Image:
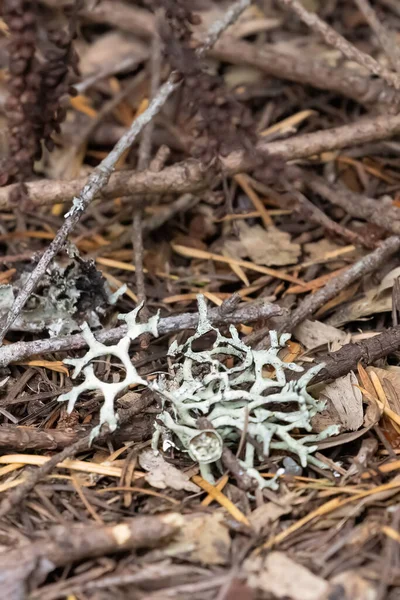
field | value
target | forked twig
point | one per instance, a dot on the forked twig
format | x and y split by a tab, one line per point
333	38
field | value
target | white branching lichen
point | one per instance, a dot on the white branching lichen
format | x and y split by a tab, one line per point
91	382
228	384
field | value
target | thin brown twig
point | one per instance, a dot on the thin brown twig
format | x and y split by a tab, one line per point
315	72
315	214
82	444
333	38
313	302
95	183
362	267
385	37
143	163
357	205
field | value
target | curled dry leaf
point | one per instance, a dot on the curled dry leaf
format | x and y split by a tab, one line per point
376	300
279	575
312	334
347	400
125	49
390	380
162	475
264	246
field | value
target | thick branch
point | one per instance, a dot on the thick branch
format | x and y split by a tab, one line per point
367	352
305	71
65	544
191	175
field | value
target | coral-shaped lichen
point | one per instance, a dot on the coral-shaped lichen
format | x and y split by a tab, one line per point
229	384
239	390
91	382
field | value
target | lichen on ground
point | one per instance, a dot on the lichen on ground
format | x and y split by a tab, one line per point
236	388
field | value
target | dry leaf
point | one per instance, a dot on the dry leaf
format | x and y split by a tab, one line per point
354	586
204	539
376	300
100	57
329	416
269	512
282	577
347	400
162	475
312	334
390	380
264	246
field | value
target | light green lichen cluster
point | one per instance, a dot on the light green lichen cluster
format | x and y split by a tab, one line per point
226	384
235	398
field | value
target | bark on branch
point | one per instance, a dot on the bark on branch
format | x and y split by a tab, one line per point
191	175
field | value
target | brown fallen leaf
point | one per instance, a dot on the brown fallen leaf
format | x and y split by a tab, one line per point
125	47
312	334
162	475
375	300
204	539
347	400
269	512
264	246
354	586
281	576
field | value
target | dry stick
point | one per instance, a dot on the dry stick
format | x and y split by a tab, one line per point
143	163
192	175
96	182
101	175
313	302
386	38
315	72
245	314
312	212
63	545
357	205
362	267
311	72
215	31
333	38
346	359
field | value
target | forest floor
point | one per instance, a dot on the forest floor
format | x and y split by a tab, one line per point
242	156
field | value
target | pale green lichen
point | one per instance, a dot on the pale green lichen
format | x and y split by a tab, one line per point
227	384
234	399
91	382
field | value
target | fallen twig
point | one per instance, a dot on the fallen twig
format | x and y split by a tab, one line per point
192	175
96	182
365	265
343	361
66	544
357	205
387	39
19	493
244	314
316	73
333	38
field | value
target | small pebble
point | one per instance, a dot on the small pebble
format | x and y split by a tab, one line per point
291	466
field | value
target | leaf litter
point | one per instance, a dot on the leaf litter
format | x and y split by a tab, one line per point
274	106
